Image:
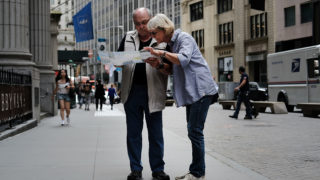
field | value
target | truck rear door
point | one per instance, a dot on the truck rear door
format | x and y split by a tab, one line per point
313	79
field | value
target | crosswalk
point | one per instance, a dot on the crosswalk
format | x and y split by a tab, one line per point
107	112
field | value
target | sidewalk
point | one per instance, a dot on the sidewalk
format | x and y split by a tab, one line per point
93	147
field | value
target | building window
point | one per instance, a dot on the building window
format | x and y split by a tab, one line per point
306	13
258	25
199	37
226	33
177	13
161	6
196	11
290	16
65	38
224	6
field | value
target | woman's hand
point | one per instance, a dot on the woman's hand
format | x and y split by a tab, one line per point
153	51
154	62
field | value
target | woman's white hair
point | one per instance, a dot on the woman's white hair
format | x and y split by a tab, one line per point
162	22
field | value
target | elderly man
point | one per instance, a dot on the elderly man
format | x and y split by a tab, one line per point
143	92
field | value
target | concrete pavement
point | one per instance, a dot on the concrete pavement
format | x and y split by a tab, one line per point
94	147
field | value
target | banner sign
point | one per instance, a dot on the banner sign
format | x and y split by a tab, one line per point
82	21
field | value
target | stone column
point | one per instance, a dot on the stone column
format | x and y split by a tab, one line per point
54	18
14	33
14	44
40	48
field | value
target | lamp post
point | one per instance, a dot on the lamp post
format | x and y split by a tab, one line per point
74	73
84	59
70	64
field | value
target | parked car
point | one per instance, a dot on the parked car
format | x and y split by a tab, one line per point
256	93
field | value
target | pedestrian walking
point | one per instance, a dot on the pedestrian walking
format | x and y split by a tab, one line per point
99	94
81	95
243	95
87	95
143	92
111	93
63	86
193	84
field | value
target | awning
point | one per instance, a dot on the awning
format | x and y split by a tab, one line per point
75	56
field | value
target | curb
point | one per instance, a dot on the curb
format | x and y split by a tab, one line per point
22	127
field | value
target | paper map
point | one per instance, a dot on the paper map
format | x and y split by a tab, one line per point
125	57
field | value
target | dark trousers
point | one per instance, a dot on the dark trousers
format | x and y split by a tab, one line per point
196	117
111	98
97	102
135	107
243	97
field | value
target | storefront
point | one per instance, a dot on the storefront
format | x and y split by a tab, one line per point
256	60
225	65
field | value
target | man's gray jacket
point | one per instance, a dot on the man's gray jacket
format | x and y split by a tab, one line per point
156	81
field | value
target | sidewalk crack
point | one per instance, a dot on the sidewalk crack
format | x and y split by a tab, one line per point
95	155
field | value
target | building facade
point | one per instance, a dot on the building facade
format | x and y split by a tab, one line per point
294	25
66	37
231	34
25	48
112	19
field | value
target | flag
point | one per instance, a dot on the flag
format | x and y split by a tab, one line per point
82	21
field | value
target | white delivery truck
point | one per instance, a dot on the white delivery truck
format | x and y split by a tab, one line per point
293	76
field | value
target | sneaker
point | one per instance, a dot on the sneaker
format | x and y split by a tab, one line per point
135	175
68	120
247	117
189	176
233	116
160	176
62	123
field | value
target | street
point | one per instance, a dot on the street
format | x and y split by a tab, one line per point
94	147
278	146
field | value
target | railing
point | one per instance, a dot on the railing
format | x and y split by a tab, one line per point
15	98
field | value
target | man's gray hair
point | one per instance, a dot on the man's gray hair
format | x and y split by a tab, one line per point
142	8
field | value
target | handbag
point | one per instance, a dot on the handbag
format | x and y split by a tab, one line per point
71	93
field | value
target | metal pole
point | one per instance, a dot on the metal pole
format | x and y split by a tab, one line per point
80	72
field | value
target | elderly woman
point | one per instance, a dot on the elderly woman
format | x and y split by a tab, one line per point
193	84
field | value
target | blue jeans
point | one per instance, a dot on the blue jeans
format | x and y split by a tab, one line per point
196	117
243	97
64	97
135	107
